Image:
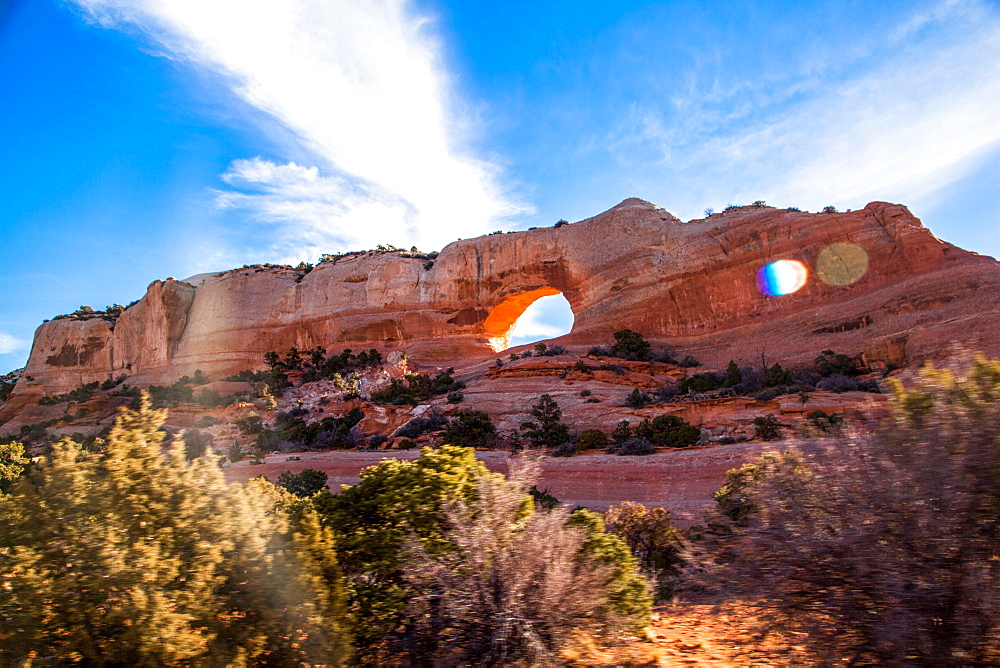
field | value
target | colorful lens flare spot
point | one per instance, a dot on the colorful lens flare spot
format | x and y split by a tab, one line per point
781	278
842	264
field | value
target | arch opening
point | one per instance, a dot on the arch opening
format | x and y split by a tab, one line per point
529	317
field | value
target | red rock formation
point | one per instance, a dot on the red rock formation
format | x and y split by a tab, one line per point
688	285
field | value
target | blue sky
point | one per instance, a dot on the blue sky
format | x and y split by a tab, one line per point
147	139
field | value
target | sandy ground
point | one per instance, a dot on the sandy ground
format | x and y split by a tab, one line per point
693	634
681	481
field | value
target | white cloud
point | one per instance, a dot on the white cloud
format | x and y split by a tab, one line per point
9	344
545	318
362	85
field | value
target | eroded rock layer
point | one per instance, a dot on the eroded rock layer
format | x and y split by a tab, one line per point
692	286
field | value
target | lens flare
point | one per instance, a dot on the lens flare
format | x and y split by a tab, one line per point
841	264
781	278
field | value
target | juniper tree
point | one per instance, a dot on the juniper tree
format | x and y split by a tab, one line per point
136	556
548	431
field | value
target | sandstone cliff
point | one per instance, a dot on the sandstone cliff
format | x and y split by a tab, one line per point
688	285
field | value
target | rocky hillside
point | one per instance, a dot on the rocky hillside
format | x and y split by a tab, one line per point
879	285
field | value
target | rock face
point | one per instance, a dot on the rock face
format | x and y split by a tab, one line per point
903	296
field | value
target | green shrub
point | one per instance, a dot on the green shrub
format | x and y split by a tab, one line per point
777	376
419	426
638	399
767	428
653	539
157	561
622	432
592	439
548	431
829	363
630	345
471	429
668	431
733	375
305	483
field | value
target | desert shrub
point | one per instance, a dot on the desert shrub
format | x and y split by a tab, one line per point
302	484
206	421
733	375
767	428
689	361
567	449
419	426
393	502
547	430
12	463
829	209
633	446
79	395
157	561
269	441
653	539
777	376
455	397
837	382
250	424
196	443
825	422
668	431
234	453
638	399
622	432
630	345
599	351
665	355
470	428
582	367
331	432
540	348
406	444
416	388
377	441
585	393
699	382
666	393
829	363
767	394
171	395
553	573
616	369
592	400
542	499
881	549
592	439
111	384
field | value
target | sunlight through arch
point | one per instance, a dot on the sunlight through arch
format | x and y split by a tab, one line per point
530	317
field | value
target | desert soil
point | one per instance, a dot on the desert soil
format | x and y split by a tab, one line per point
681	481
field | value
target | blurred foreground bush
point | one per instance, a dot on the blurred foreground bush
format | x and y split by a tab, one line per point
880	549
136	556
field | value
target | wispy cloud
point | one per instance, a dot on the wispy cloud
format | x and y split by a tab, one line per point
362	85
10	344
901	124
